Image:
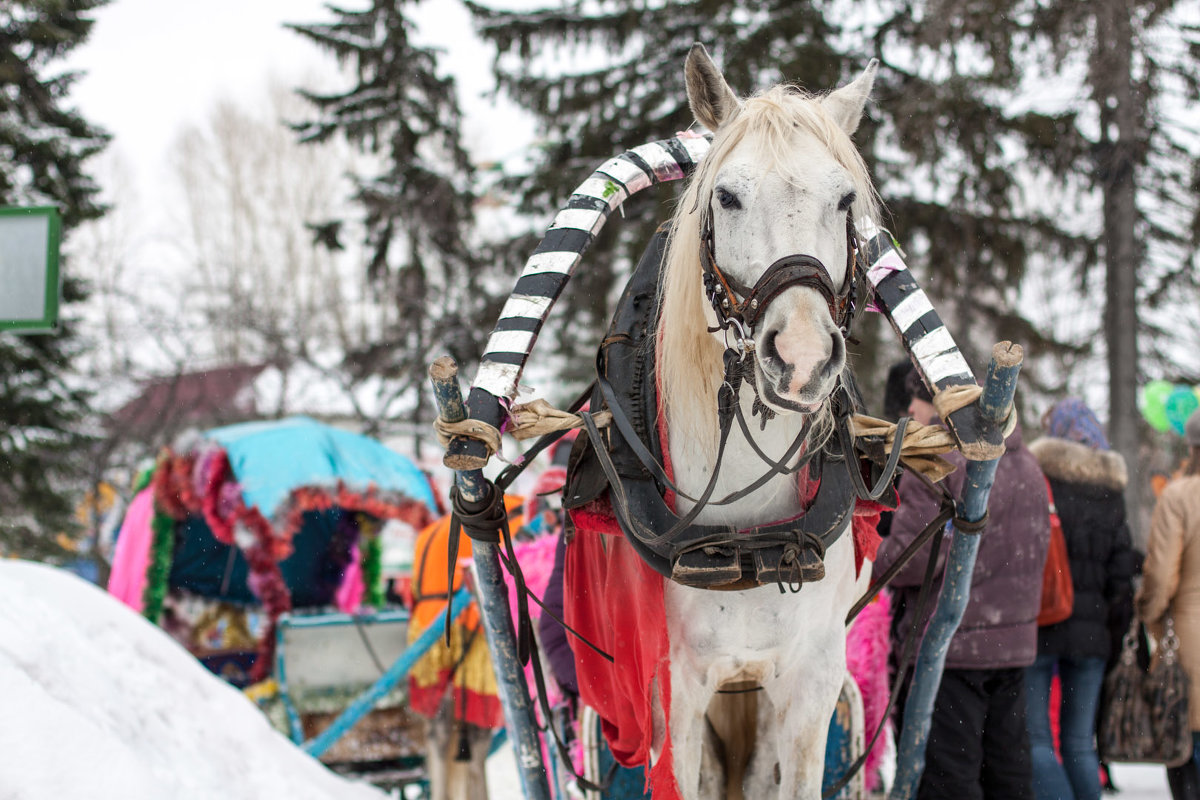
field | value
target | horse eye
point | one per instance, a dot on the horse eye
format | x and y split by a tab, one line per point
728	199
847	201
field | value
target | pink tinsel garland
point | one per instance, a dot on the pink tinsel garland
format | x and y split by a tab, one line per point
203	483
867	645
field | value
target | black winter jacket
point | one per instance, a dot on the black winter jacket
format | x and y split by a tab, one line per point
1087	486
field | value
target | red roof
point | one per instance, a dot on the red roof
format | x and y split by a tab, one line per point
206	398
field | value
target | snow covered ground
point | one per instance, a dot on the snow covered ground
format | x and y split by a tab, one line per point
1140	782
1135	781
99	703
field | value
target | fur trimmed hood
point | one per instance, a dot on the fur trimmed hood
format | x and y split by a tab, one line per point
1072	462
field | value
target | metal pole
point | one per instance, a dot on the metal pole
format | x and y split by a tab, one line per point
994	406
493	593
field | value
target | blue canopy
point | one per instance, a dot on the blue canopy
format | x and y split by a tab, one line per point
271	458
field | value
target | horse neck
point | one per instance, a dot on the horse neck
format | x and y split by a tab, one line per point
692	464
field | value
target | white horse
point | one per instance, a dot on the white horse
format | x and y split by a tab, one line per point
782	178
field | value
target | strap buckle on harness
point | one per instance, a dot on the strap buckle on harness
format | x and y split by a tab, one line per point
729	318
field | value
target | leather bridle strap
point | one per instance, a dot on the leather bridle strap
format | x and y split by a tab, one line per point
888	474
792	270
729	407
789	271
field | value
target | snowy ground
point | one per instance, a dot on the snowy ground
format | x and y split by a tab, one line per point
1135	781
99	703
1140	782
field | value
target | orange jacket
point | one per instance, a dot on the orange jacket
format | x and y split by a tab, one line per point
429	568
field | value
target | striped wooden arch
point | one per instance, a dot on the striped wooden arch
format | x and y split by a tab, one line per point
546	272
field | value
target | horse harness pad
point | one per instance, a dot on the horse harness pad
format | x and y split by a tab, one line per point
625	460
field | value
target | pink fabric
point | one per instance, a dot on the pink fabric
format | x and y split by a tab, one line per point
537	562
350	593
132	554
867	646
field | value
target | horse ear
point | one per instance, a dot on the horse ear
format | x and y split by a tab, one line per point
846	104
711	99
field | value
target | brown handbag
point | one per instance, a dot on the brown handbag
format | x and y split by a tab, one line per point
1058	592
1145	712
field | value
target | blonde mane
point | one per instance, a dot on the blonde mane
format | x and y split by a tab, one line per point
689	357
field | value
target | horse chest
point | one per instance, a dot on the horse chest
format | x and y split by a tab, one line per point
760	635
740	466
750	624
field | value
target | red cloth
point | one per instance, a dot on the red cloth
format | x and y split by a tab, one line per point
865	531
480	709
615	600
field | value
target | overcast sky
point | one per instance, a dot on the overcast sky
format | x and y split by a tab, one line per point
153	65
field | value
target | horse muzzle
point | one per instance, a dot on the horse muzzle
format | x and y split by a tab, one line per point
798	363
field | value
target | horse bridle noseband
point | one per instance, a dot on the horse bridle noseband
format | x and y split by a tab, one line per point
742	316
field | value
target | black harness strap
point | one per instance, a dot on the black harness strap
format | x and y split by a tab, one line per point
728	409
885	481
482	522
625	460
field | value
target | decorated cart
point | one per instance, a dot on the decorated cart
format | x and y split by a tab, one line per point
259	548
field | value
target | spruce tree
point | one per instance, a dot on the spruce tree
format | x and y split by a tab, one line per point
951	164
982	186
1142	74
44	146
419	207
627	90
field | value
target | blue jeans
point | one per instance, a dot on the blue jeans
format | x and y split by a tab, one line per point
1078	776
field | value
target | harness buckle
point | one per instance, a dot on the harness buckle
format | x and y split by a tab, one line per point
742	338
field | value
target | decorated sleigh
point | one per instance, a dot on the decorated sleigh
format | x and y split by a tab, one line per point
258	547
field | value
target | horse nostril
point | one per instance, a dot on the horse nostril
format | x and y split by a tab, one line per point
837	352
769	349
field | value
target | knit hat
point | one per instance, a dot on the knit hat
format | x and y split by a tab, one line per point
1071	419
1191	429
896	395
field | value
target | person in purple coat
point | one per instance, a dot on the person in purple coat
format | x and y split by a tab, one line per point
978	746
551	633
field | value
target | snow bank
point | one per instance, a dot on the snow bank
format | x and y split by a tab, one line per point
99	703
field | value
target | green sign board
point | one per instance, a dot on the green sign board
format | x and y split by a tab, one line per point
29	285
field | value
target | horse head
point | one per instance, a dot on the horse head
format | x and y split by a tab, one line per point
770	216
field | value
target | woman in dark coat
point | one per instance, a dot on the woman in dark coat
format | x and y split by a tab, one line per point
1087	480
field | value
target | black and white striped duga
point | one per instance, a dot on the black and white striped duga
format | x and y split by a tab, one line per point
910	313
546	272
572	232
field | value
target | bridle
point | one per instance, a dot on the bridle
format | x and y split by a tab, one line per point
740	316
